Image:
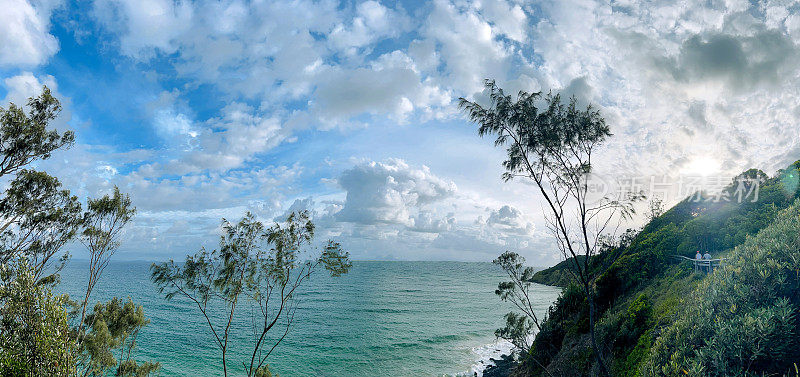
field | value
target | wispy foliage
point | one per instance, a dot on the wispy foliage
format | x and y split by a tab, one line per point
115	326
551	144
25	137
103	223
516	290
257	266
39	218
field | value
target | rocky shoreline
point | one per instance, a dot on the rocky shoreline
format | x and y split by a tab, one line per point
502	367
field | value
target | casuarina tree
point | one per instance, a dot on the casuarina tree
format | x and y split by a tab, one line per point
257	267
551	144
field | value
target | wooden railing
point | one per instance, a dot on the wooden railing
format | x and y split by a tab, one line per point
707	265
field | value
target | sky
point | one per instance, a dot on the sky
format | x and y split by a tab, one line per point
205	110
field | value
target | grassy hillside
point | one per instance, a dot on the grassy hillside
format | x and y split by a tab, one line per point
557	275
649	300
741	320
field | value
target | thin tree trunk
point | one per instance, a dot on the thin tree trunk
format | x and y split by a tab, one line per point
598	356
89	288
224	362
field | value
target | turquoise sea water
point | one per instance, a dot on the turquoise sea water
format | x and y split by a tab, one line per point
381	319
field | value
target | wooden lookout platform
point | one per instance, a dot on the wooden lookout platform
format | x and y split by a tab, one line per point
704	265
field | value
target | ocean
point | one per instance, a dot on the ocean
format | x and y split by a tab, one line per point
381	319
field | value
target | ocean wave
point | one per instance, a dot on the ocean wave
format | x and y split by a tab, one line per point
484	356
487	353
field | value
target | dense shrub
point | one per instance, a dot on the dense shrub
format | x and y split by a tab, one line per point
743	319
35	337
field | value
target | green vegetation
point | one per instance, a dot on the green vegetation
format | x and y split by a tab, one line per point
657	318
744	318
114	326
44	334
39	336
630	307
35	337
550	144
516	291
254	266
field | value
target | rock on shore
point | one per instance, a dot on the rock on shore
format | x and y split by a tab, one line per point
501	368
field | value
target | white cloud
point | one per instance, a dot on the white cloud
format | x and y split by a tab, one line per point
323	54
509	220
675	81
425	221
470	48
510	19
235	137
394	210
25	85
640	61
505	229
344	94
298	205
218	144
145	25
25	39
372	22
389	192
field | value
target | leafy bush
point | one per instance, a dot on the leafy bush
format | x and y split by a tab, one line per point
35	337
635	321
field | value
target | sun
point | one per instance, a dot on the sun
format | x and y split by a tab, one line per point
702	165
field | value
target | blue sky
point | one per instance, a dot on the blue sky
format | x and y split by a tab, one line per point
207	109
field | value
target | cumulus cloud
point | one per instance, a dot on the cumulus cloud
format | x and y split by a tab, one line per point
372	22
505	229
509	19
470	48
426	222
25	85
389	192
640	61
394	210
218	144
236	136
325	54
94	171
678	82
509	220
25	39
345	94
742	62
298	205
